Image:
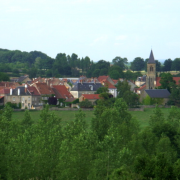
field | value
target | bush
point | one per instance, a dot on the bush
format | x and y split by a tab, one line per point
85	104
14	105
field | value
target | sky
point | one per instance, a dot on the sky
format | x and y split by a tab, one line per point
100	29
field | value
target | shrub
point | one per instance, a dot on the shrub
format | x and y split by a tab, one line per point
85	104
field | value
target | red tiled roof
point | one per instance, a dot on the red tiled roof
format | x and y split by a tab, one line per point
5	91
142	87
109	85
43	89
91	96
115	81
177	79
33	90
62	92
102	78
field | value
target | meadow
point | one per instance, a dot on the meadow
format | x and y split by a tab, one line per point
68	116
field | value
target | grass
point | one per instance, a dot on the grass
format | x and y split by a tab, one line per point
68	116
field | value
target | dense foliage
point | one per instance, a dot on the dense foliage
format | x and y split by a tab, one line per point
36	63
113	148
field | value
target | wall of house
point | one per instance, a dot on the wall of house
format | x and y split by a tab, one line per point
36	101
74	93
26	101
113	92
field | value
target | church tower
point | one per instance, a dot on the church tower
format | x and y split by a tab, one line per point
151	72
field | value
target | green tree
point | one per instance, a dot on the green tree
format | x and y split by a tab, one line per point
167	65
121	62
137	64
176	65
166	81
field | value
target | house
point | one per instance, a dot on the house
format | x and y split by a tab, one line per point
111	88
102	79
91	97
44	90
84	88
19	95
61	92
159	93
36	97
3	93
21	79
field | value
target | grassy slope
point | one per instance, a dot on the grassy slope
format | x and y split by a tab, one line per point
68	116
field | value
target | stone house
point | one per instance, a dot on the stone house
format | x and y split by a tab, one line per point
84	88
159	93
19	95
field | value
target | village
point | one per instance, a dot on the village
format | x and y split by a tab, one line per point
26	93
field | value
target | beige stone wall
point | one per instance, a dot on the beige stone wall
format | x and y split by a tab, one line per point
74	93
26	101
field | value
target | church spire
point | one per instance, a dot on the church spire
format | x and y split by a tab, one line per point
151	58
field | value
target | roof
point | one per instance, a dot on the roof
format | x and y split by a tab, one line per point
21	91
44	89
61	92
158	93
177	79
4	91
91	96
70	99
86	87
151	58
142	87
101	78
33	91
22	78
109	85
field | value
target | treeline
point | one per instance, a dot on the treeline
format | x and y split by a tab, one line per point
139	64
36	64
113	147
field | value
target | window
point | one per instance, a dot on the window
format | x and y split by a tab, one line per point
22	104
25	101
13	98
29	98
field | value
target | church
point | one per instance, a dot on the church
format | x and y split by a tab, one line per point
152	82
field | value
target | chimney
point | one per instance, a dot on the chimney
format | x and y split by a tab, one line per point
25	88
11	91
18	91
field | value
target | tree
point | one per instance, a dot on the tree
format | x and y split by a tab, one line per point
176	64
96	73
167	65
102	90
4	77
121	62
158	66
114	74
52	100
166	81
137	64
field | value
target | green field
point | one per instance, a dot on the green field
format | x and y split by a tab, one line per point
68	116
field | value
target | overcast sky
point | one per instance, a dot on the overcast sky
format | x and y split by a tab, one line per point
100	29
